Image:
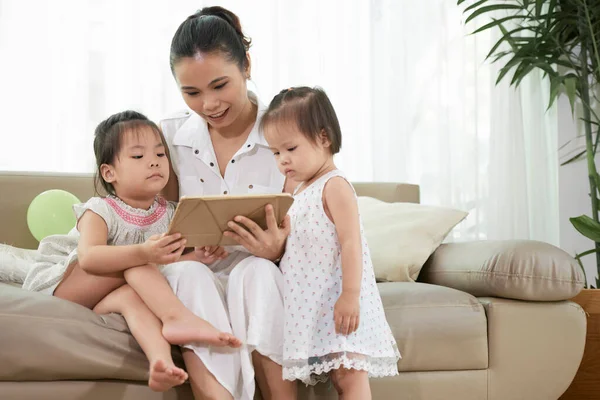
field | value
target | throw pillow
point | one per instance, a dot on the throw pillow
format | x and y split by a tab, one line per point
402	236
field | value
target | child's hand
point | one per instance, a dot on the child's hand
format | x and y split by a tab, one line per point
209	254
346	313
163	249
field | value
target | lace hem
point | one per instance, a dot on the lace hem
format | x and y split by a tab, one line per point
316	369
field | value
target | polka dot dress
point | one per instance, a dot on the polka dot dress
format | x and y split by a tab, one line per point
312	272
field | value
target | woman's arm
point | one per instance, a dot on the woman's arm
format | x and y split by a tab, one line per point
97	257
171	190
269	243
206	254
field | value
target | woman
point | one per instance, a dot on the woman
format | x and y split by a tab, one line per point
217	148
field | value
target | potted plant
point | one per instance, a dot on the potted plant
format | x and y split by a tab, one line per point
561	38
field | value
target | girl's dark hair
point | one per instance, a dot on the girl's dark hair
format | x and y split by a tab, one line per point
310	110
209	30
108	138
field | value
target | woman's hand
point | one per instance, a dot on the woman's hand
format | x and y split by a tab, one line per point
346	313
163	249
209	254
269	243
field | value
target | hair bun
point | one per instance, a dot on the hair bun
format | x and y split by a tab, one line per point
229	17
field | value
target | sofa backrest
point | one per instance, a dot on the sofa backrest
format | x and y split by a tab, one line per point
18	189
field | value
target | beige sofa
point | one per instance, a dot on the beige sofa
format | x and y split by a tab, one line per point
486	321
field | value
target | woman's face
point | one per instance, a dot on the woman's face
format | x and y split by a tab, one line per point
213	87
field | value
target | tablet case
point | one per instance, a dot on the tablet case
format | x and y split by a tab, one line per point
202	220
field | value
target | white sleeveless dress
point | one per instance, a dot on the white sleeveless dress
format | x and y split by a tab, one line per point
312	273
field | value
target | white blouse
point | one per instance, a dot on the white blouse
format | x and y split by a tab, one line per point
252	169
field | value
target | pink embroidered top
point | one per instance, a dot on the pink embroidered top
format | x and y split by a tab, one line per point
126	225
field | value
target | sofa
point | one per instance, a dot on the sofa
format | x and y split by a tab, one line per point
486	320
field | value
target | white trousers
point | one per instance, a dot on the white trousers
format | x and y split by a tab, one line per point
245	299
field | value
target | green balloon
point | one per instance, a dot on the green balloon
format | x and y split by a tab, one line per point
51	213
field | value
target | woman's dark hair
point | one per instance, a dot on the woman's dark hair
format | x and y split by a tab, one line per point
108	137
310	110
210	30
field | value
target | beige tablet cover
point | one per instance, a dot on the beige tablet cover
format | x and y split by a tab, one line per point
202	220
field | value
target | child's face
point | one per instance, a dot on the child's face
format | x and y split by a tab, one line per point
213	87
298	158
141	169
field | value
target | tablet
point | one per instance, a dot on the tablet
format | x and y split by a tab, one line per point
202	220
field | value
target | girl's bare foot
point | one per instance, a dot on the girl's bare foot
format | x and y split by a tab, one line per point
163	376
194	329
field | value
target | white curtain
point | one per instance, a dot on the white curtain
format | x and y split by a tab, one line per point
416	101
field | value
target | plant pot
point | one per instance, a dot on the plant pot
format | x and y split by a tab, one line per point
586	384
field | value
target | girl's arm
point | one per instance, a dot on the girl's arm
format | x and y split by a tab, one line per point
96	257
342	209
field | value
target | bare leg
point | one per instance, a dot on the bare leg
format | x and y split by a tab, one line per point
180	325
351	384
86	289
204	385
146	329
270	379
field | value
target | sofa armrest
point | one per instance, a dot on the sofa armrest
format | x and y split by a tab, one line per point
513	269
534	348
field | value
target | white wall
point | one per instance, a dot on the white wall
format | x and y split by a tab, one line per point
574	189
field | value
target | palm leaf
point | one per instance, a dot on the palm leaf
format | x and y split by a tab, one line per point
587	227
505	37
489	9
495	23
571	90
539	5
472	6
573	159
562	39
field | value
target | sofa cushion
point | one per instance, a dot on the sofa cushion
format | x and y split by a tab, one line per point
90	390
436	328
402	236
47	338
513	269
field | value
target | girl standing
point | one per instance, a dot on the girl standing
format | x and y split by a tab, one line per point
334	321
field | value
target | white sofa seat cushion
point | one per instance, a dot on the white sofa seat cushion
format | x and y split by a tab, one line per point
436	328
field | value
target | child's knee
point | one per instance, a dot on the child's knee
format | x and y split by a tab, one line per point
118	300
343	378
128	298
